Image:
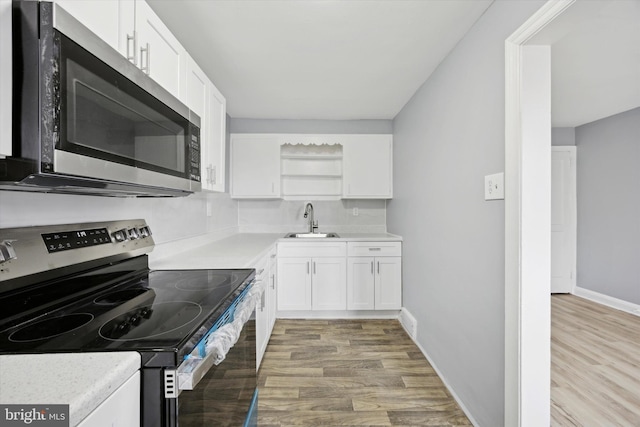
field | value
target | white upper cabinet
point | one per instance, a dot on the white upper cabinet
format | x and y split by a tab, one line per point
197	88
367	167
197	99
132	28
213	164
255	166
5	78
161	56
107	19
206	101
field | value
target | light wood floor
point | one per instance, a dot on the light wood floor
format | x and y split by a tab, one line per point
595	364
350	373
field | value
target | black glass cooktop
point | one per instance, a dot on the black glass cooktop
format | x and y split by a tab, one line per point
149	311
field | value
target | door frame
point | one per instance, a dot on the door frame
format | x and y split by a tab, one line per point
527	233
573	214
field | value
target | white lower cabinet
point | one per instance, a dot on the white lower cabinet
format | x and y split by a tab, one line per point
266	308
328	283
374	282
294	284
312	276
122	408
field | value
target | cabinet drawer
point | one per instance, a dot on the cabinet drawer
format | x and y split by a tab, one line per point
374	249
303	249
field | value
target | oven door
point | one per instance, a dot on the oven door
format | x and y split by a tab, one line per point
217	381
226	395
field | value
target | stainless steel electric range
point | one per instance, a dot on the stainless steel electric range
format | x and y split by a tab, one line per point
88	288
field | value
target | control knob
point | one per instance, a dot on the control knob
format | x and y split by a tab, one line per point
7	252
120	235
133	233
145	231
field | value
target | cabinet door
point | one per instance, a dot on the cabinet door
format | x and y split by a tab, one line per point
255	166
329	283
122	408
388	283
360	283
5	78
272	300
161	56
294	284
367	171
213	169
197	99
101	17
262	314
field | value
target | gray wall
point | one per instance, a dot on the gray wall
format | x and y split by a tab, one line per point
563	136
608	181
310	126
446	139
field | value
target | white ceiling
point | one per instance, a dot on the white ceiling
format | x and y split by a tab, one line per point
318	59
595	61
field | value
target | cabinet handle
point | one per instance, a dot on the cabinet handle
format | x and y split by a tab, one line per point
378	267
132	57
371	267
273	281
375	249
307	267
146	51
314	267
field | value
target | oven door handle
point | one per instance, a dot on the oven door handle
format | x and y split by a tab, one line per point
219	342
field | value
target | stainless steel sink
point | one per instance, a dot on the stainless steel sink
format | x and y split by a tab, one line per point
311	235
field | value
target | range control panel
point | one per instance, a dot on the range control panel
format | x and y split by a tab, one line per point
25	251
66	240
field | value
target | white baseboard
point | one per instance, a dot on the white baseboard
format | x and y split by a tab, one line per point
603	299
409	323
407	315
338	314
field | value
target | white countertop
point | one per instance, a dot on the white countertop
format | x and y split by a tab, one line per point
241	250
81	380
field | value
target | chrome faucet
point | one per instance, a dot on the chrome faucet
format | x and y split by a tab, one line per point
308	212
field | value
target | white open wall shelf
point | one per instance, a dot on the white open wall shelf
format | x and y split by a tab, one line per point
311	170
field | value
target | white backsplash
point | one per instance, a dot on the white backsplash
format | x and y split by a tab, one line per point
280	216
178	218
169	218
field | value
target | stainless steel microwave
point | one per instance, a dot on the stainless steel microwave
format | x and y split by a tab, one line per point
86	120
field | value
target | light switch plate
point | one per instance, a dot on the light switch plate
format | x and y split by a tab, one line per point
494	186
